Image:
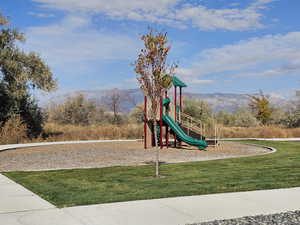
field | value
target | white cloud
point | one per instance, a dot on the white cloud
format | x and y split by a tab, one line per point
273	54
196	81
228	19
235	4
170	12
288	68
41	15
75	44
286	93
132	9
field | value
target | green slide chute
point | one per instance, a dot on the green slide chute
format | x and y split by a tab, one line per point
181	135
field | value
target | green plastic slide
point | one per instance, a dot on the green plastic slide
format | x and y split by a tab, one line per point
181	135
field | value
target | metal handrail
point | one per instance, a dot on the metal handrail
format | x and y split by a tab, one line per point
198	127
191	119
192	128
192	124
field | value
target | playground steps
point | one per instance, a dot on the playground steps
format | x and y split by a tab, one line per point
191	124
195	128
191	132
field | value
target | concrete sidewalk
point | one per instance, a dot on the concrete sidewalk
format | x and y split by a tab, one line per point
15	198
19	206
183	210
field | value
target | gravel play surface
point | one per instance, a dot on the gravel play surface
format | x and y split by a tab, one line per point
288	218
94	155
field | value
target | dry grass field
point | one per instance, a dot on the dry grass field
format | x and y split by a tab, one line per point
259	132
55	132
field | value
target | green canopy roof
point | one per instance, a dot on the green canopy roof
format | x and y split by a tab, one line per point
178	83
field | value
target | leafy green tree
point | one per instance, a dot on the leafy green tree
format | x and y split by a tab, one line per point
238	118
137	114
278	116
198	109
32	115
75	110
243	118
261	107
292	115
20	73
225	118
292	119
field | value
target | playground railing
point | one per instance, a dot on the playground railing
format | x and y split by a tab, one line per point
192	124
191	119
199	127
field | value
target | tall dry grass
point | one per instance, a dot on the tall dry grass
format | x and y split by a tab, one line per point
13	131
58	132
259	132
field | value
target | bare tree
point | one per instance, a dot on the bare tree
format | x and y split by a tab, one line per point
113	102
150	68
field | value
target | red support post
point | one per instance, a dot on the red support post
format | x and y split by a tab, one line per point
167	127
145	122
180	98
161	122
175	103
175	113
180	106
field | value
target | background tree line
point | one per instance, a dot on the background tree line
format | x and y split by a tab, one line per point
259	112
78	110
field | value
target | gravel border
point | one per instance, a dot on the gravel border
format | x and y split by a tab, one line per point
272	150
106	154
285	218
15	146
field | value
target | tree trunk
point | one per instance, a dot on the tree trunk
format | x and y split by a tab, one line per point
157	149
115	113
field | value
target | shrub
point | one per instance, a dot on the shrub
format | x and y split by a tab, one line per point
239	118
198	109
244	118
13	131
75	110
137	114
26	107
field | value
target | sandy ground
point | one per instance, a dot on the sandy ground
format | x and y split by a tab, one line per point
94	155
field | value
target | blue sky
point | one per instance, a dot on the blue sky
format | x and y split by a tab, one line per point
220	45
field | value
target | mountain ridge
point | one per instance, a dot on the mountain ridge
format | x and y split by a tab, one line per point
131	97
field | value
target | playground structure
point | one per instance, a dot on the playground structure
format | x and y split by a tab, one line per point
172	121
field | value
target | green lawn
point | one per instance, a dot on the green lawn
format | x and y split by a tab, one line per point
90	186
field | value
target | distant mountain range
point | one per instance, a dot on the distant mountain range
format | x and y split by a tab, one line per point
132	97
